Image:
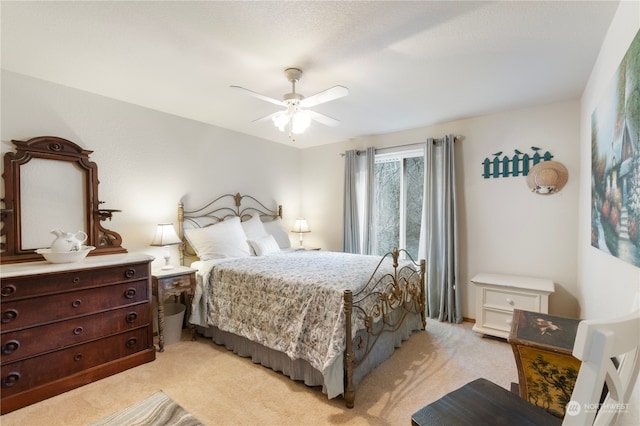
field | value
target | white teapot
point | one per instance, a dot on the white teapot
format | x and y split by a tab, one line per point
66	241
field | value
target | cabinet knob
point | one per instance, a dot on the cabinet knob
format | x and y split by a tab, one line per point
130	273
131	317
77	357
8	290
76	280
9	315
510	301
78	330
130	293
131	343
11	379
76	303
10	347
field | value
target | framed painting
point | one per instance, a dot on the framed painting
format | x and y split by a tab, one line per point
615	162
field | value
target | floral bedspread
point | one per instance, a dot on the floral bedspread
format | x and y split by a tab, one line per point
292	303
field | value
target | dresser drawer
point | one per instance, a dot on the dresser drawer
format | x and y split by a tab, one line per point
175	284
22	375
496	320
28	342
510	300
56	307
20	287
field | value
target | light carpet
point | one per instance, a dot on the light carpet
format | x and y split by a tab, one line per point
157	410
221	388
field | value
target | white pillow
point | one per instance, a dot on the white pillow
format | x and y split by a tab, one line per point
224	239
276	229
265	245
253	228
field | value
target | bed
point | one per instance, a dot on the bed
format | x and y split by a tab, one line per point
324	318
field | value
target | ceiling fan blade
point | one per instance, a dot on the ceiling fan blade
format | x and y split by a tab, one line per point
259	96
266	117
325	96
323	119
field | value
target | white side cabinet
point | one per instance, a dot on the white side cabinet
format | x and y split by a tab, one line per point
497	295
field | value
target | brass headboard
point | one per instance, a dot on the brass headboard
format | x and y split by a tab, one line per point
228	205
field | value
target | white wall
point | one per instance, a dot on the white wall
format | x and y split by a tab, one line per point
607	285
504	228
148	161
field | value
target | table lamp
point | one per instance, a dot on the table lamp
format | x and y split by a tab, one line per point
301	227
165	237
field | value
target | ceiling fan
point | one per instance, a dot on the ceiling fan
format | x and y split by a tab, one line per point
296	118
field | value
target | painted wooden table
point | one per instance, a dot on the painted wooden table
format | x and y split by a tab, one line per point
542	345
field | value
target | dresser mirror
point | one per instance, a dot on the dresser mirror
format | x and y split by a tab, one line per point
50	183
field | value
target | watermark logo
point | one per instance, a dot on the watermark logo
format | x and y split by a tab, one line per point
573	408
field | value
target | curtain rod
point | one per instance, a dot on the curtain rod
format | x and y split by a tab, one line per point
415	144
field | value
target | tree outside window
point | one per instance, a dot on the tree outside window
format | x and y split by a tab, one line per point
399	192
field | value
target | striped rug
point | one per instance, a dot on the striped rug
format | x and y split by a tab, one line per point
157	410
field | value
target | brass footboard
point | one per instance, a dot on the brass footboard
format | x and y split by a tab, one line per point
383	304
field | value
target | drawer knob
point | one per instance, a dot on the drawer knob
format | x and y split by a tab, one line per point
9	315
8	290
77	357
78	330
510	301
130	293
131	317
130	273
10	347
131	343
76	303
76	280
11	379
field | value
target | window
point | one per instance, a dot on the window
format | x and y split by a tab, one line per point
399	189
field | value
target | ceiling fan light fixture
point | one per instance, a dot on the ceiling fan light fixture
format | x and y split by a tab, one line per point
300	121
281	120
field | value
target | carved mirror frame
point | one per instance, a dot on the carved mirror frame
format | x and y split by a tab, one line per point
56	149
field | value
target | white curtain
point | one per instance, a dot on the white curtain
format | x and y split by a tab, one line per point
357	235
439	231
351	222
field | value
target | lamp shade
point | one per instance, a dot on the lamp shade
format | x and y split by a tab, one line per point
281	120
165	235
297	120
301	226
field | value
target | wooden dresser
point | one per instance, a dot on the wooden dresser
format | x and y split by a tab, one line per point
66	325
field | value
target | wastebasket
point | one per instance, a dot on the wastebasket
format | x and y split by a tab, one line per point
173	318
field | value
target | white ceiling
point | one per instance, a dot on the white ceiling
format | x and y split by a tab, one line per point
406	64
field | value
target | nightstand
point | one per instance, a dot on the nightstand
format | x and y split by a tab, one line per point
497	295
168	283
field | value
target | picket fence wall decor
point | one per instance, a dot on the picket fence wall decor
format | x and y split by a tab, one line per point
516	165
